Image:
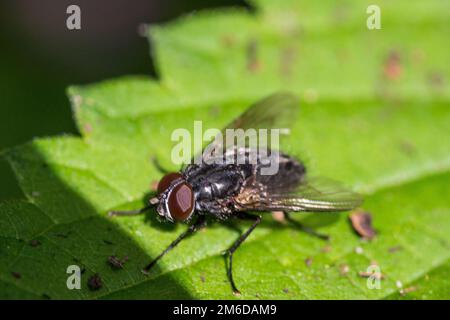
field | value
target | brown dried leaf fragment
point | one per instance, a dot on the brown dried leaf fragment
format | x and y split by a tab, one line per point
362	224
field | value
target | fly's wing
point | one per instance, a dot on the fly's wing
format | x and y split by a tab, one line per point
278	111
311	195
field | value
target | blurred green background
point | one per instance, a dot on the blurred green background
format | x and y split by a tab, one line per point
40	58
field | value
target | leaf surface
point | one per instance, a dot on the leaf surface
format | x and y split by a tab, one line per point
377	131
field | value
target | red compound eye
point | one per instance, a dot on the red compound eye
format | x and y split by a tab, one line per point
181	202
165	182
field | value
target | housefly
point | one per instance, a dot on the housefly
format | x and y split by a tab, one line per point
228	189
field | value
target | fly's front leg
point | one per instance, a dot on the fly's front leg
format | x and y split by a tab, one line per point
304	228
237	243
200	223
158	166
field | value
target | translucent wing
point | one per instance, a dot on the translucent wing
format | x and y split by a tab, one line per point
278	111
311	194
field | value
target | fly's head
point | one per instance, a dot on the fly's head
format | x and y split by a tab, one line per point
175	201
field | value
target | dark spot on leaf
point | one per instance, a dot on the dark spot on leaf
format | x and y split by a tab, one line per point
228	41
418	56
202	278
95	282
407	147
392	66
286	290
108	242
46	296
362	224
340	14
308	261
61	235
253	63
395	249
287	58
16	274
214	111
35	243
436	80
88	128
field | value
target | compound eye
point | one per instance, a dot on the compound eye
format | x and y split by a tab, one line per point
165	182
181	202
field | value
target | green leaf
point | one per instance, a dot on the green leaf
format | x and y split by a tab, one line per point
379	133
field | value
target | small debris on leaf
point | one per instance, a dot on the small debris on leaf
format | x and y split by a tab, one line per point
436	79
286	290
376	275
344	269
359	250
326	249
253	63
154	185
108	242
287	58
16	274
202	278
87	128
404	292
308	261
393	66
116	262
399	284
228	41
407	147
395	249
35	243
362	224
95	282
279	216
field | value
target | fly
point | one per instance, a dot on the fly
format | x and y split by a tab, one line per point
233	190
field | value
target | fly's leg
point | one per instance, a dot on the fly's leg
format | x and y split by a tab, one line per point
153	202
237	243
306	229
130	212
158	166
200	223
